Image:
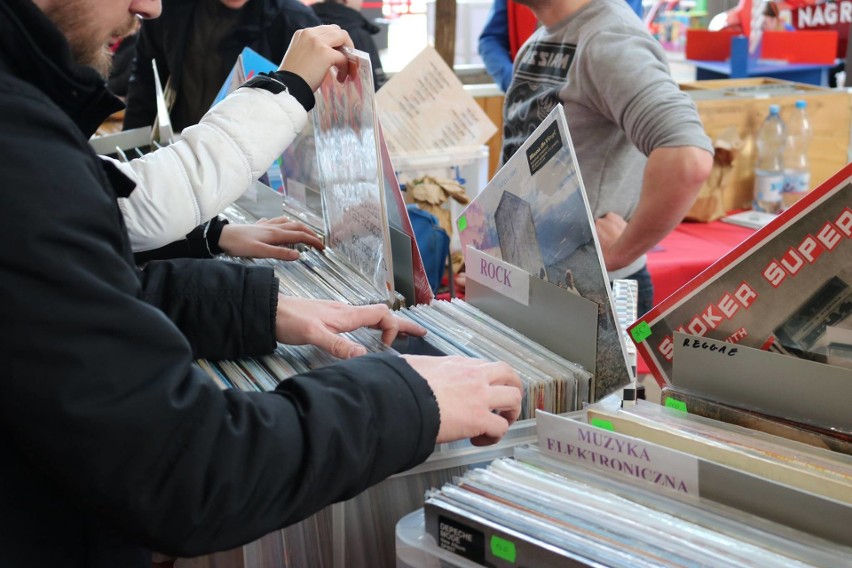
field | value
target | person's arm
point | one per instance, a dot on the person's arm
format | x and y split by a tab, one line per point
141	94
98	378
494	45
201	242
671	182
185	184
636	92
268	238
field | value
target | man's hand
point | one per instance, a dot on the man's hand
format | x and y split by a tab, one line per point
267	238
313	51
301	321
609	229
477	399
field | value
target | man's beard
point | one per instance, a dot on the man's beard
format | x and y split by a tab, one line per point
77	21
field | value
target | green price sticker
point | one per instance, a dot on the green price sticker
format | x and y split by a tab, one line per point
676	404
462	223
503	549
641	332
600	423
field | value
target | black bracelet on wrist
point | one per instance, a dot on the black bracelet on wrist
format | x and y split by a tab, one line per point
212	233
280	81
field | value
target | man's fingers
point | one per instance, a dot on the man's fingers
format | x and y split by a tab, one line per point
410	328
495	427
338	345
287	237
506	400
276	252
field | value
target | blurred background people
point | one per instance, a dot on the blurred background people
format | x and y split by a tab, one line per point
196	44
347	14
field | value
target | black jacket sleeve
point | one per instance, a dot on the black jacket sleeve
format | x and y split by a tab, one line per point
141	91
101	397
201	242
225	310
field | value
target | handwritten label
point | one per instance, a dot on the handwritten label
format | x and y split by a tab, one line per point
575	441
641	332
711	346
503	549
502	277
676	404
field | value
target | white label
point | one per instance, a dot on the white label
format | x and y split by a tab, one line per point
768	188
574	441
797	182
507	279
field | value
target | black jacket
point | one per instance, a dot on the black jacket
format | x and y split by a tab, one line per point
267	26
112	442
360	30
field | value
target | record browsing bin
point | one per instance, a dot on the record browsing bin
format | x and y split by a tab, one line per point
361	531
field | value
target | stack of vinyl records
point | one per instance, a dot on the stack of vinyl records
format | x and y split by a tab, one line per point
539	511
551	383
703	405
360	532
322	275
644	485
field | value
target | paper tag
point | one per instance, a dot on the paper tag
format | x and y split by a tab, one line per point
508	280
641	332
676	404
575	441
462	223
503	549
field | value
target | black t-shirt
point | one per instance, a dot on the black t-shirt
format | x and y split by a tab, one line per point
204	70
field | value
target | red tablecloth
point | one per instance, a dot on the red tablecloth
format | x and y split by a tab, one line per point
685	253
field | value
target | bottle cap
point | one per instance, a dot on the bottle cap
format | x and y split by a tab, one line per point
801	104
774	109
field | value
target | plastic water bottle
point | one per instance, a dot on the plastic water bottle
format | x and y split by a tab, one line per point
769	170
797	170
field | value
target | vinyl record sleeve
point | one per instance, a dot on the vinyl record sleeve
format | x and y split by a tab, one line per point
786	288
534	215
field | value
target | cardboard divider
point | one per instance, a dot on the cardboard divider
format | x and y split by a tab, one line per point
554	317
705	45
802	46
775	384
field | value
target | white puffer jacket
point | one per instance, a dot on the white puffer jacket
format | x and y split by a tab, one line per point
189	182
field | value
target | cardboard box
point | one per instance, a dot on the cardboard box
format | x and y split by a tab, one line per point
741	105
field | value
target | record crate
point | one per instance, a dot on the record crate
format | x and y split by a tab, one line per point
361	531
732	110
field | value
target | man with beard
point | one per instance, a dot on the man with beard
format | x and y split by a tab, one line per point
114	442
196	43
640	145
